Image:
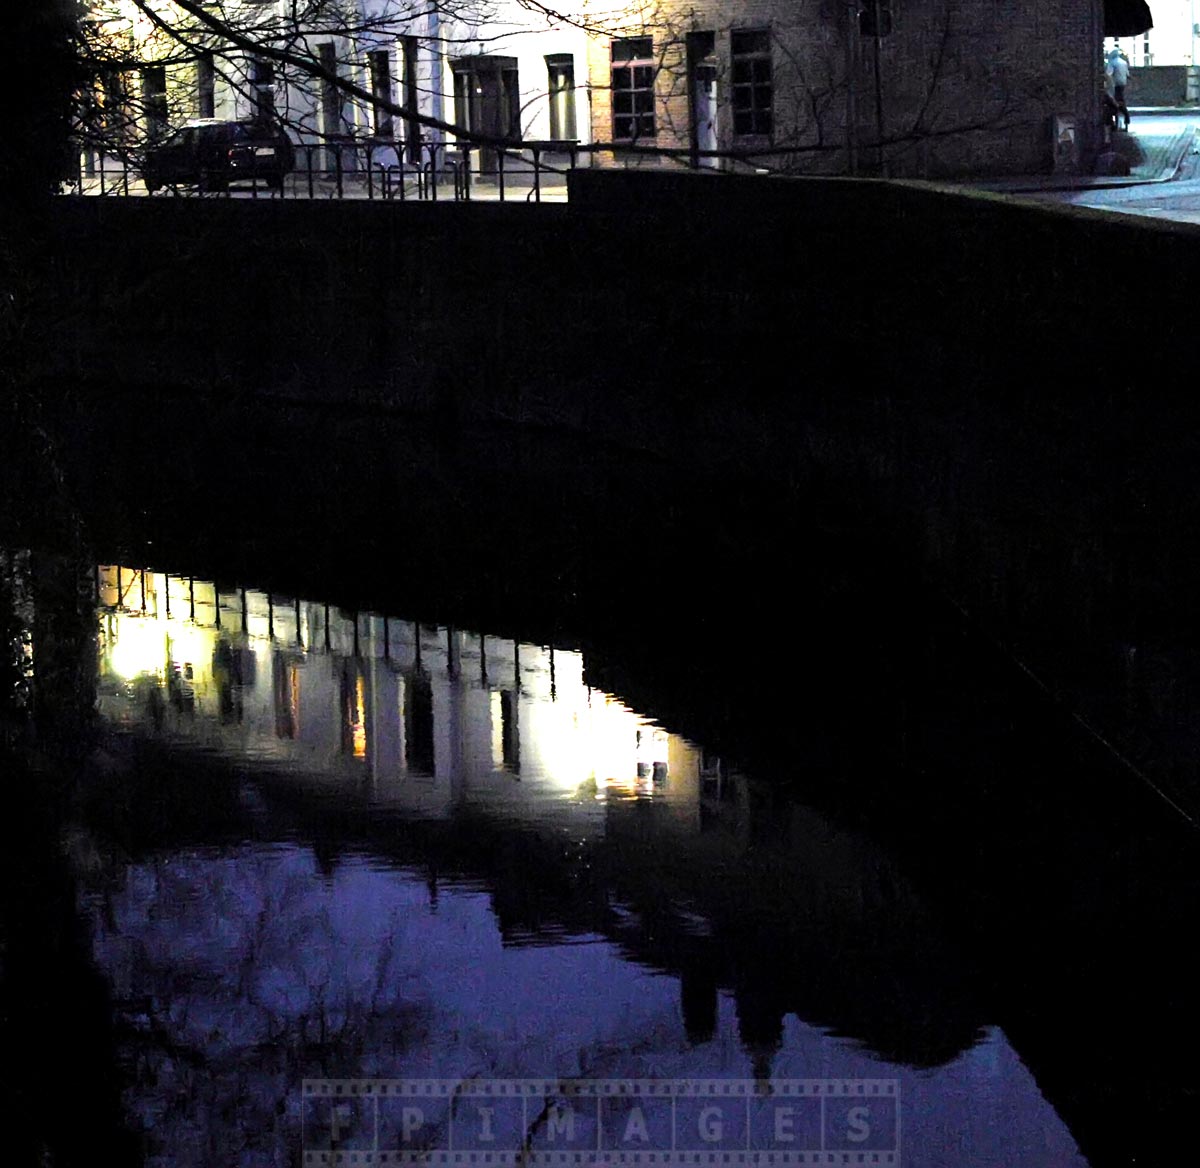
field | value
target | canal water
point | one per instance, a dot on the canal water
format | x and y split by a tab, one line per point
331	867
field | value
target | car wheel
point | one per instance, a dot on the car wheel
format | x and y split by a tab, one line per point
152	185
212	183
275	182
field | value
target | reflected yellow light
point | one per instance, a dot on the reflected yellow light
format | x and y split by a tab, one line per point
590	741
192	644
573	741
138	645
358	731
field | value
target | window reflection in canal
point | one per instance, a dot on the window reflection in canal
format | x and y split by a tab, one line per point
449	856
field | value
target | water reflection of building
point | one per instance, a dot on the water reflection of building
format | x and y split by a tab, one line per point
579	816
419	717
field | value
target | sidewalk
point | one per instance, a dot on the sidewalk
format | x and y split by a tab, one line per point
1153	158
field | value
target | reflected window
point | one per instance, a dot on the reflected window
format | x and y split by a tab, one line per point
510	731
286	678
354	711
418	724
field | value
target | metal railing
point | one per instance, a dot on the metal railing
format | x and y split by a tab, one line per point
386	170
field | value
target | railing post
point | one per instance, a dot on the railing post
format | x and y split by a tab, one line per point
500	170
337	167
370	180
308	155
537	175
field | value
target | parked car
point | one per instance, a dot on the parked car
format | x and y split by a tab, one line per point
212	154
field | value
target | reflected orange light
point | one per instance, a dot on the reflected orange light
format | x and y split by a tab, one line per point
358	729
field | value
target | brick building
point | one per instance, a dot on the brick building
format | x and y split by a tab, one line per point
913	88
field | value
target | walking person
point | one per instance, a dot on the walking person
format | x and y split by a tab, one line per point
1118	74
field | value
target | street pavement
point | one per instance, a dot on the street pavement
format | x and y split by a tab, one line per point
1161	147
1164	181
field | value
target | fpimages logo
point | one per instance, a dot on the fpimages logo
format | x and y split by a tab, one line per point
594	1123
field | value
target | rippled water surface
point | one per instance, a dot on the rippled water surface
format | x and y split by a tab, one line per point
358	847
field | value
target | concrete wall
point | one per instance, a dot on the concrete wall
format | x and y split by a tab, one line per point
1157	85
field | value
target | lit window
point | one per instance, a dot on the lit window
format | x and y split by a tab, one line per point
752	89
633	89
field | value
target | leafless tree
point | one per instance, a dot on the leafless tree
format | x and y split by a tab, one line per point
331	71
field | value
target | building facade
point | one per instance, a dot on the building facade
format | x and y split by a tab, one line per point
1172	40
918	88
318	67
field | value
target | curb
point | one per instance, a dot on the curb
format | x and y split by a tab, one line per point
1176	153
1180	148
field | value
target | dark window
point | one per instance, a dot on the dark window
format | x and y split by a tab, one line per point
262	82
331	94
419	750
510	733
752	88
115	111
633	89
154	99
487	96
412	128
381	87
560	71
464	92
206	86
